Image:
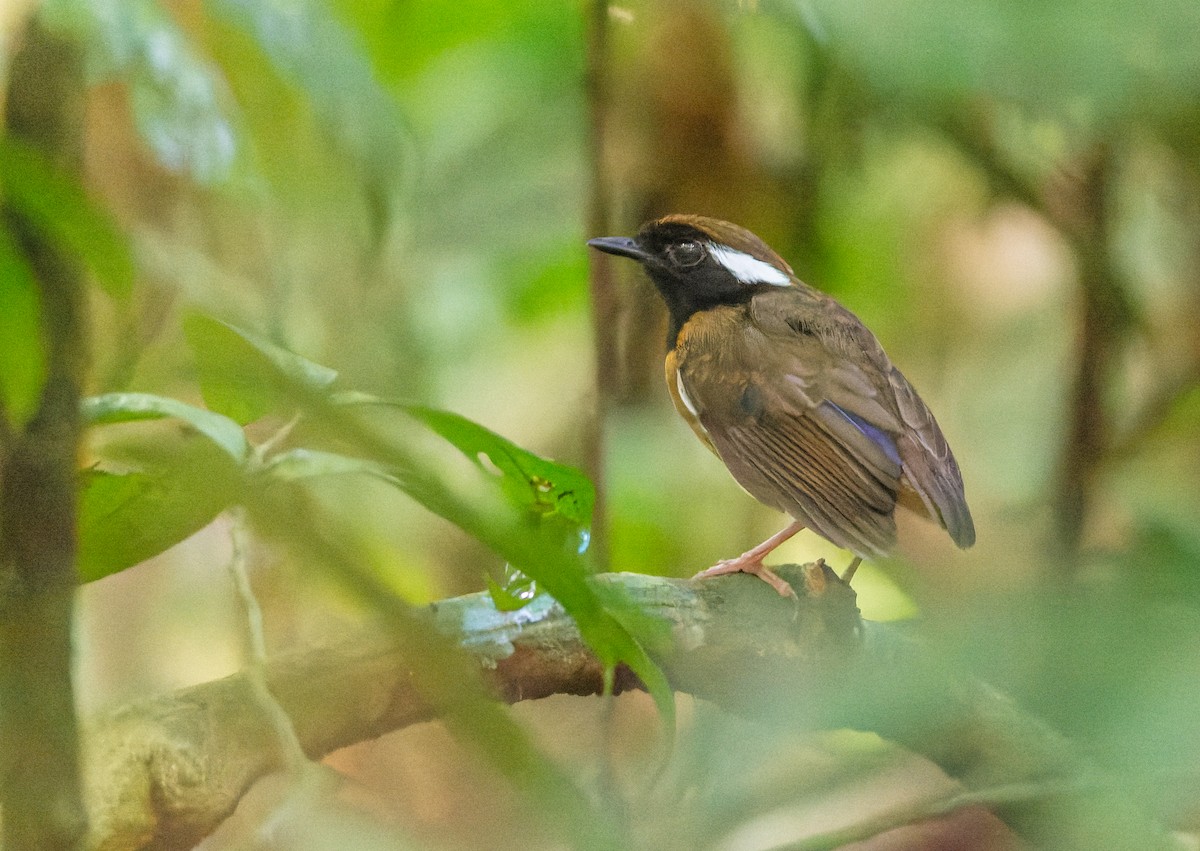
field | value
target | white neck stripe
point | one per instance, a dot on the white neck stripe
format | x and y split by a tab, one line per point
747	269
683	395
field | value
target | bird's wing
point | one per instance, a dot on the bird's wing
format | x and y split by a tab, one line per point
840	372
816	478
779	436
929	466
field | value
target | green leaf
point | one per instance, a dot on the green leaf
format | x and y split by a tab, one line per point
303	463
312	49
129	407
557	497
1074	56
545	285
245	376
175	94
537	549
543	486
22	353
58	207
448	681
125	518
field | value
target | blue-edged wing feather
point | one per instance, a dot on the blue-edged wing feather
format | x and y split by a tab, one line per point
811	418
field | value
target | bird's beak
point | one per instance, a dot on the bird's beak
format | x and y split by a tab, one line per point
622	246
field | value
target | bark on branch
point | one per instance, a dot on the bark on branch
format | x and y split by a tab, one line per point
165	771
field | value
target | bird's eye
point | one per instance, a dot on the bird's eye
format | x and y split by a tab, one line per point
686	253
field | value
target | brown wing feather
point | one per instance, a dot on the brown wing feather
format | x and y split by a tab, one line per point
815	478
839	360
768	387
929	466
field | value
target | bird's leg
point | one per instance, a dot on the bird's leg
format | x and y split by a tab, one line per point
848	573
751	562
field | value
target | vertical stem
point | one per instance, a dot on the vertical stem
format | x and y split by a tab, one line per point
39	750
1102	316
255	654
604	297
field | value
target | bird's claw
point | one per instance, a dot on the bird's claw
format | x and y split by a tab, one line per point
754	568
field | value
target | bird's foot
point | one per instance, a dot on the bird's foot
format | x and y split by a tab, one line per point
754	567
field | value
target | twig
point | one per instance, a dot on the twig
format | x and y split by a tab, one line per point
1103	313
255	661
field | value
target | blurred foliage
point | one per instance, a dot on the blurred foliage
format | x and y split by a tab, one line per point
533	511
397	191
21	348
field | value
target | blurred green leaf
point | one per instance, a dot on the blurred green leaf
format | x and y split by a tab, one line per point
174	93
558	498
544	487
131	407
1078	56
308	463
446	678
58	207
126	518
245	376
311	48
1184	411
535	548
1164	559
22	353
404	38
555	286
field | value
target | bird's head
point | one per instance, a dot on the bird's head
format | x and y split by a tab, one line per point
698	263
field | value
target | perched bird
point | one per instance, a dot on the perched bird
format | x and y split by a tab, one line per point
793	394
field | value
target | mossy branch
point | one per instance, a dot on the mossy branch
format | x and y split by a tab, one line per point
164	772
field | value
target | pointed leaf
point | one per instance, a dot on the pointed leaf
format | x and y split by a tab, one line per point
129	407
544	487
126	518
534	548
245	376
309	463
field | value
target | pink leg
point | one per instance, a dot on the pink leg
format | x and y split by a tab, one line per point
751	562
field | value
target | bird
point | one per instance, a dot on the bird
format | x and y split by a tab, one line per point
794	394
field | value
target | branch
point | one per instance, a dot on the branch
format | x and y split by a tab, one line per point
167	770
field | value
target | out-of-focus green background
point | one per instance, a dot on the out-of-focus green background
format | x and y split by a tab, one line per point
1008	194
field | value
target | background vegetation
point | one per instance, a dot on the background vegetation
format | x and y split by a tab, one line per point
398	193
